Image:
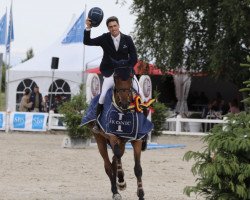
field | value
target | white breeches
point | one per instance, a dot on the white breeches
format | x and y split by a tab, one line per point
108	82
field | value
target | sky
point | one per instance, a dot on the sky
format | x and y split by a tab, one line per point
39	23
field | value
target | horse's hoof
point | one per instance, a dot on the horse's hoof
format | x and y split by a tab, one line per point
117	197
140	194
121	186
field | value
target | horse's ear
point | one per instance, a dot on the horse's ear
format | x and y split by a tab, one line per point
120	63
123	72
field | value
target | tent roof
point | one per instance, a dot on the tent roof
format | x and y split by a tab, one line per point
70	58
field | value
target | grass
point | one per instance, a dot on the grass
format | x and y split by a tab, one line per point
2	102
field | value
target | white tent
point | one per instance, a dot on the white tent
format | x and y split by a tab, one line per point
38	70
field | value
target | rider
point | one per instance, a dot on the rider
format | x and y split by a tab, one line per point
116	46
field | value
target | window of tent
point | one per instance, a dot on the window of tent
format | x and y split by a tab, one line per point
59	87
26	83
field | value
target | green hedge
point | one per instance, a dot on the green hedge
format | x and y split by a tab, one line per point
159	118
73	112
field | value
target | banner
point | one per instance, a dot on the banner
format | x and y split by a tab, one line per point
2	120
146	85
3	26
10	36
28	121
93	86
75	34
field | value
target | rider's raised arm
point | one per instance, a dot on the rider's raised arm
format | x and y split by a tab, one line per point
91	41
86	37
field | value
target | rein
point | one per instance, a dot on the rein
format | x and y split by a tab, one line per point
118	92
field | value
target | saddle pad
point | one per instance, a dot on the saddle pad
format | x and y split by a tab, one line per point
131	125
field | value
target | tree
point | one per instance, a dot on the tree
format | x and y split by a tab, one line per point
211	36
223	166
29	55
246	90
3	83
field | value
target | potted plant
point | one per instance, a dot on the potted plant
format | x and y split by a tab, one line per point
194	126
73	111
159	116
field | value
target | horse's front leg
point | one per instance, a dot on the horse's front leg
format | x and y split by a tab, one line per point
121	183
109	168
137	144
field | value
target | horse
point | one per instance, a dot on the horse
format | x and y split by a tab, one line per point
122	97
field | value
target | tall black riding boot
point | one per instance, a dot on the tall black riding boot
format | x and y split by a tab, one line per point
145	112
99	108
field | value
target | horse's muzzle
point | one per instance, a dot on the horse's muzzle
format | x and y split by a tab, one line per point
124	106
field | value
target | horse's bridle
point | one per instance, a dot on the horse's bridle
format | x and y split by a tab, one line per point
122	90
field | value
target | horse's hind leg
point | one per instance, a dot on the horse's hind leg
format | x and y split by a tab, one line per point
137	144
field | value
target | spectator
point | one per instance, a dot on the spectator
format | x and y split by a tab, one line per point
25	105
37	100
57	104
210	108
218	98
223	107
46	103
203	98
234	107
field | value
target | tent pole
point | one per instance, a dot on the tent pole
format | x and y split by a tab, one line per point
51	90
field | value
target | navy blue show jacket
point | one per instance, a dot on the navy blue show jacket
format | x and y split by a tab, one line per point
126	50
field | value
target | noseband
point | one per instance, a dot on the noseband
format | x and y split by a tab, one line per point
122	93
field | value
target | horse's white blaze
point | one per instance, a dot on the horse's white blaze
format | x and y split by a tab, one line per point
120	118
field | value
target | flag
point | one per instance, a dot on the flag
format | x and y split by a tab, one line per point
3	26
10	36
75	34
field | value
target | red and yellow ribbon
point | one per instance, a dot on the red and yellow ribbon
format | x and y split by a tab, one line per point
138	106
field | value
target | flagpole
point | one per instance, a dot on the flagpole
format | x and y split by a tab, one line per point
84	61
6	68
1	55
9	38
10	27
6	37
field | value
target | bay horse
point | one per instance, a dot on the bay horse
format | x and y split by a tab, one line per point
122	96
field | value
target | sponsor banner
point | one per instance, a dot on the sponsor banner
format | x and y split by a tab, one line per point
28	121
146	85
93	86
2	120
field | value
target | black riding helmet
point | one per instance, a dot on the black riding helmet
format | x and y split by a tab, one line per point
95	15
